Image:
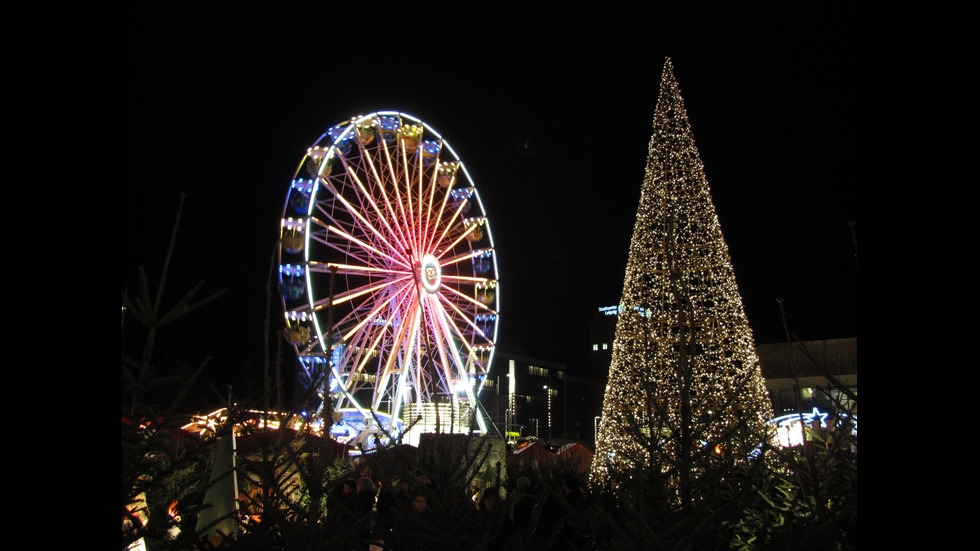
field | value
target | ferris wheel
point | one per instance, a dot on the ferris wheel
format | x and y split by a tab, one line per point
388	277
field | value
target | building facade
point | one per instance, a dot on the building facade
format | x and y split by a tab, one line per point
526	396
824	371
820	369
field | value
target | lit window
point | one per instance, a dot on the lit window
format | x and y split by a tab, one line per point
605	346
595	347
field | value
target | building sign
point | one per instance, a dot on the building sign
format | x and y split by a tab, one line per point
615	310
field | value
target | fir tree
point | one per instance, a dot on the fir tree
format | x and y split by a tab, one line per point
685	390
163	476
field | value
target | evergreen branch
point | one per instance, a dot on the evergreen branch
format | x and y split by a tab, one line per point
184	307
167	258
182	393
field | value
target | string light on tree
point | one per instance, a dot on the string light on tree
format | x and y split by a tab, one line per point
684	376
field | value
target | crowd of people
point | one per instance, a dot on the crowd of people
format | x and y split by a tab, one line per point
409	510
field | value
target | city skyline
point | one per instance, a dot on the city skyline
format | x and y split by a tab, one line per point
551	126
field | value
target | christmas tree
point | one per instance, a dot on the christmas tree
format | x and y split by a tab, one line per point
684	388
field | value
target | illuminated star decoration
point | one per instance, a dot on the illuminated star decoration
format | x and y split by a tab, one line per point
788	432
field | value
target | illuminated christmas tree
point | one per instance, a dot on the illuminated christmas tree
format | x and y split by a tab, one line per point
685	390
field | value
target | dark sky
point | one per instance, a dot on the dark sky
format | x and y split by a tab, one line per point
551	113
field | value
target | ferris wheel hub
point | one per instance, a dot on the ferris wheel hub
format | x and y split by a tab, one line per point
430	273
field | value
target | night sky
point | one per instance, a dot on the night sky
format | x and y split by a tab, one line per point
551	113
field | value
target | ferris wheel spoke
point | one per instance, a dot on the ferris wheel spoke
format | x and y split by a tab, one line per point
357	255
352	323
345	395
427	185
356	340
364	163
458	362
349	295
434	314
465	256
419	229
358	357
402	220
434	247
403	374
469	321
341	228
414	218
357	224
392	220
356	292
350	269
451	329
358	352
426	368
318	232
470	300
450	225
350	253
380	333
467	279
424	228
401	350
386	218
373	313
445	176
321	235
367	159
364	223
365	246
407	178
452	246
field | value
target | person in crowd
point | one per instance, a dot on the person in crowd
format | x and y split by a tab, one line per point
496	524
522	505
340	502
420	503
366	493
364	509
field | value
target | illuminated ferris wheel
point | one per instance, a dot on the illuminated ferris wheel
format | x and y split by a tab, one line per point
388	278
